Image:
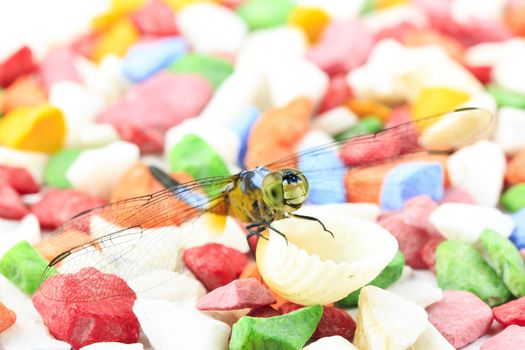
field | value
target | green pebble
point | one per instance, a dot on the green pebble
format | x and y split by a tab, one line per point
461	267
391	273
214	69
506	260
514	198
23	265
368	7
57	166
506	97
366	125
259	14
196	157
287	332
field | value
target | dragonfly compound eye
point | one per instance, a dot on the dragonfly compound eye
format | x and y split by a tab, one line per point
295	188
272	190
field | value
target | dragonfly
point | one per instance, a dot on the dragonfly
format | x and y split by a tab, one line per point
134	238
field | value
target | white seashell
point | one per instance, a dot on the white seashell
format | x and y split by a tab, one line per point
335	342
386	321
316	268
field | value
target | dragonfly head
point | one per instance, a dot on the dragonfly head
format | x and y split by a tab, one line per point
285	190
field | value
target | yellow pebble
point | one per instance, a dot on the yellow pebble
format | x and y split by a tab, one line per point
311	20
39	129
116	40
383	4
117	10
178	4
437	99
364	108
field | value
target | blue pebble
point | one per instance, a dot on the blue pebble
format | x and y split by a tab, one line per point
146	59
518	235
409	180
325	174
242	126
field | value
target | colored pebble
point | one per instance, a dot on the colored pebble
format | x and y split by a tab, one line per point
366	108
366	125
512	337
214	265
209	163
511	313
136	182
113	346
116	39
506	97
38	129
59	65
24	91
11	205
242	126
238	294
23	266
390	274
57	166
289	331
515	172
70	202
146	59
336	93
435	100
505	258
264	311
213	69
19	63
110	319
518	235
155	18
312	21
460	267
19	178
409	180
259	14
7	318
461	317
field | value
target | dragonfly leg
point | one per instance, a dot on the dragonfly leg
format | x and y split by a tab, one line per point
311	218
279	232
255	230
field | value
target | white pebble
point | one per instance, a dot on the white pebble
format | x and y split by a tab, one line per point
431	339
465	222
113	346
509	72
34	162
313	138
95	135
335	120
510	133
464	11
14	231
419	292
170	327
479	169
335	342
394	16
211	28
387	321
295	78
97	171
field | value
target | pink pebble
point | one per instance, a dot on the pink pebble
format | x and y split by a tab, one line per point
58	206
11	205
155	18
160	102
417	212
399	115
396	32
411	239
19	178
428	252
336	94
239	294
59	65
457	195
337	56
149	140
88	307
511	338
461	317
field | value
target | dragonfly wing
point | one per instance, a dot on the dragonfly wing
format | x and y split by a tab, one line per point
132	238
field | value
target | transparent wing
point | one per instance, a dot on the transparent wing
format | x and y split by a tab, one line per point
131	239
325	166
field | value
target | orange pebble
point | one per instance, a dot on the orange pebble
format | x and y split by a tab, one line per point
7	317
516	168
277	131
451	46
251	271
515	19
55	245
23	92
365	108
116	39
364	184
136	182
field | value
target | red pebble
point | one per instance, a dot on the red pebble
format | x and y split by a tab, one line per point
160	102
58	206
461	317
482	73
19	63
59	65
264	311
417	211
11	205
399	115
214	264
336	56
511	338
88	307
336	94
155	18
149	140
19	178
510	313
238	294
457	195
333	322
428	252
7	317
411	239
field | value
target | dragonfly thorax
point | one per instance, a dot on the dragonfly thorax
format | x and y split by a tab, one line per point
285	190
